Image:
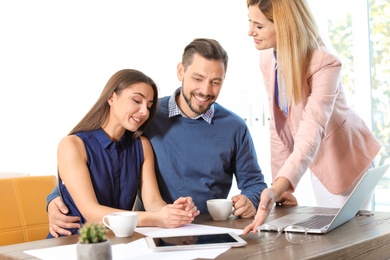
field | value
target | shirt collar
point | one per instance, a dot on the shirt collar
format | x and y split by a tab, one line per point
106	142
174	109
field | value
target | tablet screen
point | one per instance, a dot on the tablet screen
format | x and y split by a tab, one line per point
194	241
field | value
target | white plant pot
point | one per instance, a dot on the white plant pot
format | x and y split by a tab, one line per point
95	251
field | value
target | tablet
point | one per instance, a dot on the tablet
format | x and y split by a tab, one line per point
194	242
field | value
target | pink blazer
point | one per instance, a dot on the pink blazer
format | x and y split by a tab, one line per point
321	132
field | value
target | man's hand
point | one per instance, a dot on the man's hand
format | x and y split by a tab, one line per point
58	220
243	207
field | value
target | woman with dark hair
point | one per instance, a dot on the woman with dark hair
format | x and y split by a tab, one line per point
104	161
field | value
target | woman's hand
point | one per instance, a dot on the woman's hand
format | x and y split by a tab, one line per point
172	215
188	205
267	200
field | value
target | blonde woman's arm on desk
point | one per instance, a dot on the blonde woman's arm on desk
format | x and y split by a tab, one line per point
277	193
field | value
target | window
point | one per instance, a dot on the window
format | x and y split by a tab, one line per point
379	21
360	37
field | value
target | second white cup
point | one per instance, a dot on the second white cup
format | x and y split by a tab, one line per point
121	223
220	209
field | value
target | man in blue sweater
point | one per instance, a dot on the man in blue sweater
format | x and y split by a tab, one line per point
198	144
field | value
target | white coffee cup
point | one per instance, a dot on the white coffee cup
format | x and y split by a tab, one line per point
220	209
121	223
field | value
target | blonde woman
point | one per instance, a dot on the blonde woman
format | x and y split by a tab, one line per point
311	125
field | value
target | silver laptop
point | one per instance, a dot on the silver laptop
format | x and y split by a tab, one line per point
323	223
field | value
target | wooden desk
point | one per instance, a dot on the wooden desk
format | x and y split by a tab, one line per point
361	238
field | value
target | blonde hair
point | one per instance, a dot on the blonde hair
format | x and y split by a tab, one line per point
297	36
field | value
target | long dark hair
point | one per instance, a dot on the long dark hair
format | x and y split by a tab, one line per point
117	83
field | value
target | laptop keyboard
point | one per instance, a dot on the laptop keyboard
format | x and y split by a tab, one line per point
316	221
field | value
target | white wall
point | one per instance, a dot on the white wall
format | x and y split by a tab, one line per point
56	56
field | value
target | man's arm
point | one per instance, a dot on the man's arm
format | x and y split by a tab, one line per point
58	220
54	194
250	179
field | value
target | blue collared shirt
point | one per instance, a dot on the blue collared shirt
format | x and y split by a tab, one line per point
280	90
174	109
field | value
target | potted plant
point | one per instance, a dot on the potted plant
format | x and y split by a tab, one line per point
93	242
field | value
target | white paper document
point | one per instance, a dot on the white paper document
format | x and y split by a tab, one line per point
139	250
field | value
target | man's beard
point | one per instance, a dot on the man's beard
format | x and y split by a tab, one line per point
188	101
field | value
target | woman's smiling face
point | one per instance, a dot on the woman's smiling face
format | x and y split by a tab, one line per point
261	29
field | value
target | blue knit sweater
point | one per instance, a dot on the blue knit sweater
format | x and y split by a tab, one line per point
198	159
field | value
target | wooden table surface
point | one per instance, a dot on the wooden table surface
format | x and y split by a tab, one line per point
364	237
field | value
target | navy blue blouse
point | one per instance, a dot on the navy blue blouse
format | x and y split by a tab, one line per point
115	169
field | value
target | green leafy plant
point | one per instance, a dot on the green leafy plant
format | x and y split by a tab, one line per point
92	233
